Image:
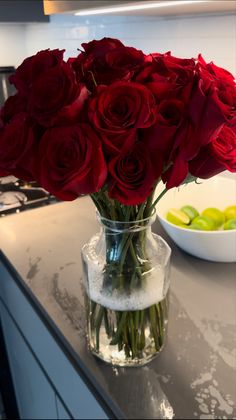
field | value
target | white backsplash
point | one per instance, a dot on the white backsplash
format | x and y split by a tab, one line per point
12	44
214	36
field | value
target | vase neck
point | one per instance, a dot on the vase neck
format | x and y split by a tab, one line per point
131	226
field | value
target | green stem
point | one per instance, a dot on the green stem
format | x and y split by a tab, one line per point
93	314
132	334
120	326
98	324
153	322
97	204
147	212
136	328
142	332
128	269
106	323
140	211
157	200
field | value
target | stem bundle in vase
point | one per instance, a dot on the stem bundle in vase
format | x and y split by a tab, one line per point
127	269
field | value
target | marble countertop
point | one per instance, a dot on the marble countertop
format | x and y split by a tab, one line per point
194	376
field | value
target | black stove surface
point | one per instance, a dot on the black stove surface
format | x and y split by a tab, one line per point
17	196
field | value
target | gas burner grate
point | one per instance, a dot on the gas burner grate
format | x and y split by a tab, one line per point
17	196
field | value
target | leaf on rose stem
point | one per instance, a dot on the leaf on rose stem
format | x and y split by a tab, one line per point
189	178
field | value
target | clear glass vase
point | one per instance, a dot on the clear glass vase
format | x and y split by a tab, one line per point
126	279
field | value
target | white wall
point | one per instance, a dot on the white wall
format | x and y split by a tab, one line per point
12	44
213	36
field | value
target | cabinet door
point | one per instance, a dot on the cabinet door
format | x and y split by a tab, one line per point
72	389
35	397
62	411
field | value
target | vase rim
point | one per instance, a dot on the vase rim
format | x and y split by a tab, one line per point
129	226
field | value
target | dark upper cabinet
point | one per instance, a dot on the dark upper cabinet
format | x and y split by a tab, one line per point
22	11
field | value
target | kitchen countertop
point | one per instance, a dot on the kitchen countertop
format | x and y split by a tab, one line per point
194	376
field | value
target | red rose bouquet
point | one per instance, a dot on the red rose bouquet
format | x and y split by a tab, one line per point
112	123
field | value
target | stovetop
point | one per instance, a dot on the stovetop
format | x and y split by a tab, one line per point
17	196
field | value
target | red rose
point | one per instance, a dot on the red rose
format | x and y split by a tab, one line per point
223	86
217	156
176	173
13	105
225	98
224	147
161	137
214	72
203	118
118	110
98	48
91	58
55	96
124	61
71	162
3	173
192	149
1	120
161	86
205	164
172	129
168	76
17	143
106	61
131	176
181	72
32	68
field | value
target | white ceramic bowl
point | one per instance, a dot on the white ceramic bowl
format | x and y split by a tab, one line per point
219	192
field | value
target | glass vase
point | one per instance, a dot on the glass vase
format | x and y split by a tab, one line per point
126	279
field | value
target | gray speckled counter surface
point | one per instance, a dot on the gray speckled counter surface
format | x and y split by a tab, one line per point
195	375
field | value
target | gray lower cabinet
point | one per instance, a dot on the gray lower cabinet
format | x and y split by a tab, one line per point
61	410
35	397
47	385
